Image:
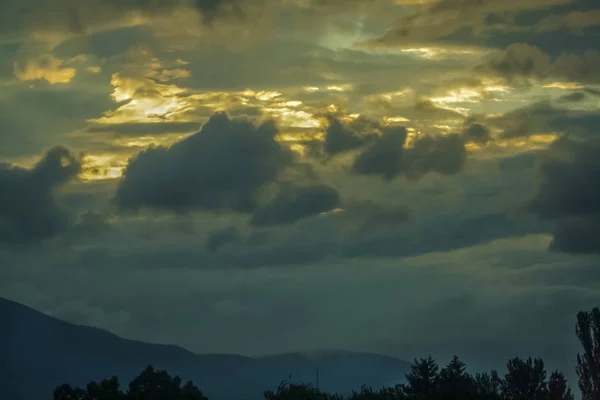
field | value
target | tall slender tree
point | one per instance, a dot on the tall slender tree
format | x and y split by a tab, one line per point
588	363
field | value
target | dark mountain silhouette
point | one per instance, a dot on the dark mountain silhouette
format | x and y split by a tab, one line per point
38	352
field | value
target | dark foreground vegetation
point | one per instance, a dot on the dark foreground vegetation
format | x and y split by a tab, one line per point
524	380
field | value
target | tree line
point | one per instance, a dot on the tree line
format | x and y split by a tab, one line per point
525	379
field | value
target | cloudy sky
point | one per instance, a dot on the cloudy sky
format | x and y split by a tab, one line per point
410	177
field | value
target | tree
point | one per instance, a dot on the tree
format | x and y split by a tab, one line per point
191	392
455	383
66	392
488	385
153	384
588	363
525	380
108	389
422	379
150	384
558	388
288	391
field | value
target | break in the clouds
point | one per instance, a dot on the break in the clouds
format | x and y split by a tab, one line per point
403	176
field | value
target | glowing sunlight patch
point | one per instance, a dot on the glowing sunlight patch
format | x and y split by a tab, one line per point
97	167
564	85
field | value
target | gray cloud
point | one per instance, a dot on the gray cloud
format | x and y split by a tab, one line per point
341	137
442	154
296	202
222	167
28	211
570	194
476	132
521	62
543	117
385	156
91	16
222	237
577	235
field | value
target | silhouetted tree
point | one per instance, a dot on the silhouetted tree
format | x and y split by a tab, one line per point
150	384
154	384
588	363
108	389
288	391
488	385
525	380
367	393
454	383
422	380
66	392
558	388
190	392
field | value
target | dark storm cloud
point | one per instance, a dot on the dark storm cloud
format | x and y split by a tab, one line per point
520	62
384	153
222	167
90	16
570	194
442	154
476	132
577	235
571	172
544	117
385	156
462	21
341	137
297	202
28	211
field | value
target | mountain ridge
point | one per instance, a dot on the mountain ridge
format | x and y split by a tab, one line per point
39	352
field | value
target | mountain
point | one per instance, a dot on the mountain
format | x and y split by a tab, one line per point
39	352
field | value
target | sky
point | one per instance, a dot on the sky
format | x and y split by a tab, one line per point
408	177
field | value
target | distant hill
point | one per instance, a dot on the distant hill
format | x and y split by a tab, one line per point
38	352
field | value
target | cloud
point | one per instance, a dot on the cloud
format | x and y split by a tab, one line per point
297	202
545	117
459	22
341	137
520	60
222	237
385	156
66	17
28	211
570	193
476	132
520	63
143	129
575	20
442	154
577	235
45	67
222	167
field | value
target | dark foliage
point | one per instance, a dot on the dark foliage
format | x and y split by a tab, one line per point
150	384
